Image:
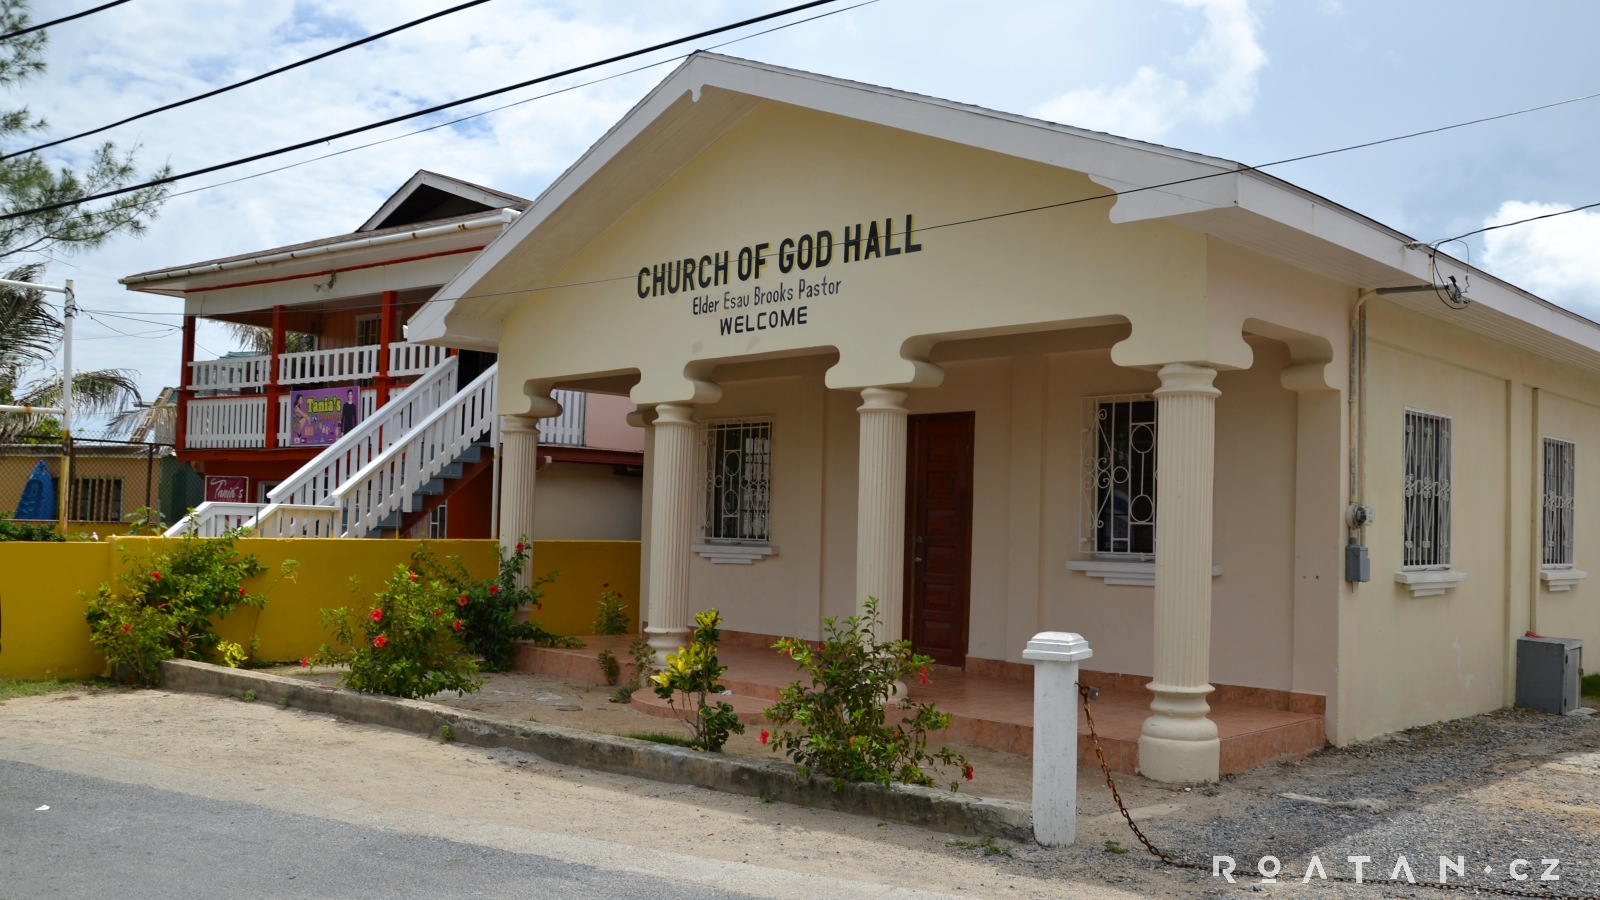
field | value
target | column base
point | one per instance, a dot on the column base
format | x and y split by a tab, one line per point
666	640
1179	745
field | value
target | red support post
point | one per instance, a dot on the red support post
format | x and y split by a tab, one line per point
383	383
279	337
185	379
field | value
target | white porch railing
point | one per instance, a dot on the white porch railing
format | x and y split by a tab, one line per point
218	518
567	428
227	422
390	482
340	364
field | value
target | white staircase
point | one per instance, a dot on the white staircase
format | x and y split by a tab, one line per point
382	469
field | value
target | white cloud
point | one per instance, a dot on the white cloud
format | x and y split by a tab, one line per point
1225	60
1554	258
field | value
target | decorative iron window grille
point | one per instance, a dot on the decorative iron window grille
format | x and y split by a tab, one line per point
96	500
1119	475
738	480
1427	490
1560	468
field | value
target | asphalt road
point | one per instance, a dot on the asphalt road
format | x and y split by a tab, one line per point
102	838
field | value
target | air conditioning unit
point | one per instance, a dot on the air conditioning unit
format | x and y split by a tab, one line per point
1547	673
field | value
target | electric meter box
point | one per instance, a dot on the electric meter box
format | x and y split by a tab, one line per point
1547	673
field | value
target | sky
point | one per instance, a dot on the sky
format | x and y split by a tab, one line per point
1249	80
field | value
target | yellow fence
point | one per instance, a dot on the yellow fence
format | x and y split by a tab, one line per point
43	633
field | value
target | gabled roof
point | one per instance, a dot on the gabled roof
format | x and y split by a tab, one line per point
709	93
428	196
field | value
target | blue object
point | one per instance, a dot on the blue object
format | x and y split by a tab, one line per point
38	496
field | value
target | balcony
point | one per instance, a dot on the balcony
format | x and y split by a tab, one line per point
228	409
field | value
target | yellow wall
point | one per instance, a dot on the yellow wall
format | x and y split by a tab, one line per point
43	634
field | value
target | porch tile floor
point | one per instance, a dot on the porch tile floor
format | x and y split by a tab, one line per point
987	711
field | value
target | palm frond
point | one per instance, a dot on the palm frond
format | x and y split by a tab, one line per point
29	330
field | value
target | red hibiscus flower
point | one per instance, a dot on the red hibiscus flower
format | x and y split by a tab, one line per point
241	590
126	628
456	625
605	584
764	737
461	600
305	662
377	615
966	771
520	548
437	613
380	642
155	576
922	675
494	589
411	575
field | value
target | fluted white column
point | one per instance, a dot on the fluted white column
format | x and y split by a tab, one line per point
672	505
519	467
1179	743
881	507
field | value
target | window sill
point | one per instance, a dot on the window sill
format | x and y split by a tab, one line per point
1125	572
1563	579
1430	582
735	554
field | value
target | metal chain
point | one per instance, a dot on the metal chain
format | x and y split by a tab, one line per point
1086	694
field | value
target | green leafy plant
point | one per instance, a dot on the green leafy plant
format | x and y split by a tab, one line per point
24	531
408	644
693	672
611	616
145	520
446	734
644	666
609	667
838	725
168	603
489	609
249	696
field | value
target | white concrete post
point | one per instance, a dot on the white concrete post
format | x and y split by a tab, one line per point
519	470
672	514
881	508
1055	734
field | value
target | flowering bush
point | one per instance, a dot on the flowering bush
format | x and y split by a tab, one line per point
693	672
840	723
406	645
488	610
611	617
167	604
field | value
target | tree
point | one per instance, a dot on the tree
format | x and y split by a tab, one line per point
30	332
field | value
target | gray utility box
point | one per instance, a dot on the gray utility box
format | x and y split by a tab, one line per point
1547	673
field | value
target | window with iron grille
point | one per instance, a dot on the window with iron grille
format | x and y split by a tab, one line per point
96	500
1560	466
1119	476
1427	490
738	480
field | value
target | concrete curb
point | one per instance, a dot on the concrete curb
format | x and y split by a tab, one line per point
768	779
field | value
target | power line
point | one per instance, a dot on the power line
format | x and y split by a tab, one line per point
43	25
410	115
1552	215
239	84
569	88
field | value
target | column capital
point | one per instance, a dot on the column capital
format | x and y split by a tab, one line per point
874	399
1183	378
519	425
674	414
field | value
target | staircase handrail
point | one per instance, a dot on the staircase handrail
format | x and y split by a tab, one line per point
388	482
213	518
314	482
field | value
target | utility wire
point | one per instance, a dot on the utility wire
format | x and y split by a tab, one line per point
1517	222
42	25
410	115
466	118
239	84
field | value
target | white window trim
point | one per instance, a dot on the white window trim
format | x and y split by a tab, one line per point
1563	576
1133	573
1560	578
1430	580
735	554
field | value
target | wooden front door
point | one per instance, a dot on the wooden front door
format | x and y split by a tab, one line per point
939	535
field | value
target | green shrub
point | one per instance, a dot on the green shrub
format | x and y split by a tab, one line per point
169	602
488	609
693	672
611	616
24	531
840	723
408	644
644	666
609	667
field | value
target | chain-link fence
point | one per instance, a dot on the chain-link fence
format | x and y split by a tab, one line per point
110	481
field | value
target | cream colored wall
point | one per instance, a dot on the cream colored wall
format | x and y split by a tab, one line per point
605	424
762	182
585	502
1575	612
